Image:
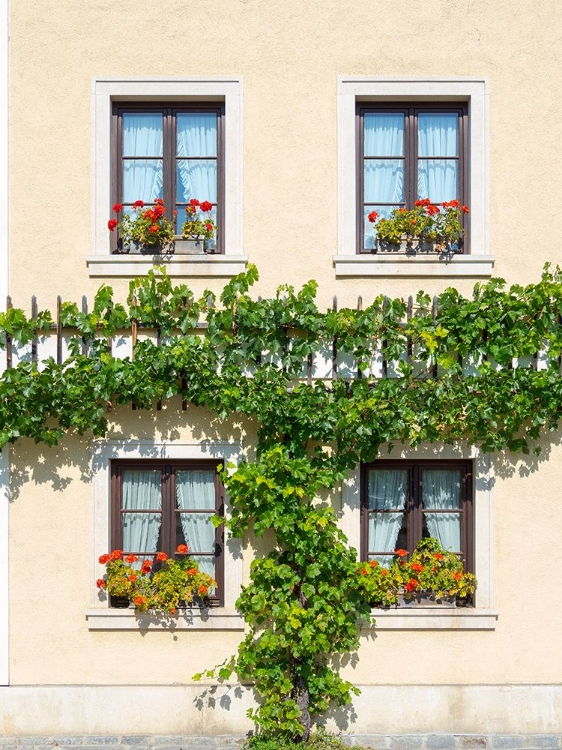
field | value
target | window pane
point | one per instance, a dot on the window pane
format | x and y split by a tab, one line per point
195	530
195	490
142	490
196	178
196	134
181	218
446	528
438	134
387	532
384	181
369	232
142	180
388	490
142	134
438	179
206	564
441	490
384	134
141	532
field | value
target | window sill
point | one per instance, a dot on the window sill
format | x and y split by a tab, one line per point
186	265
193	619
434	618
477	266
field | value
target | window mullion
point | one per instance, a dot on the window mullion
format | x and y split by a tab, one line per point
169	163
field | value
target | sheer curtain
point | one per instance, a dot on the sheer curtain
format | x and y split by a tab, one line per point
442	491
142	136
438	137
384	178
197	136
142	490
387	490
196	491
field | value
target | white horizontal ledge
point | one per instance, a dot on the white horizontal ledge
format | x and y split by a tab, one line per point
196	619
434	618
188	265
477	266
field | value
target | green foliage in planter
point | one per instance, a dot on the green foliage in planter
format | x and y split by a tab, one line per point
319	740
303	602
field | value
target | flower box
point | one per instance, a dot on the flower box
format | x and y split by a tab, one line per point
425	599
194	246
416	246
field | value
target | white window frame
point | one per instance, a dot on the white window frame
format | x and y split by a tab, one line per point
352	90
482	616
100	616
108	90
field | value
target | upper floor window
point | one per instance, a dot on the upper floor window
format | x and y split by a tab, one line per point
159	505
406	153
169	152
406	501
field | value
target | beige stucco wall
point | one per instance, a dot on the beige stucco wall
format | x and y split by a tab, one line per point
289	55
51	582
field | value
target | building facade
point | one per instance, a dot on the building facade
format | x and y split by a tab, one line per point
294	121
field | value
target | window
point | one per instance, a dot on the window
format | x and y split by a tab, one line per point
170	152
415	101
405	501
158	505
203	95
406	153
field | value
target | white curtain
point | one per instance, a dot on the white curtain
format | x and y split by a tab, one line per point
197	136
388	490
196	491
142	490
384	178
142	136
442	491
438	137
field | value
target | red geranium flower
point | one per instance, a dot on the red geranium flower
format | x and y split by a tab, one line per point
203	590
138	600
401	552
104	559
432	210
154	228
364	572
465	209
417	567
191	210
422	202
411	585
159	201
373	563
111	224
373	216
162	556
182	549
132	578
117	207
209	226
438	556
384	572
116	555
138	204
206	206
146	567
194	202
192	571
457	576
131	559
100	583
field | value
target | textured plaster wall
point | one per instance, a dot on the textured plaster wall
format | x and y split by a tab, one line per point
289	54
51	582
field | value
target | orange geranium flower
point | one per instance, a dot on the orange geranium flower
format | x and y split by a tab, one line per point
104	559
401	552
182	549
100	583
117	554
146	567
138	600
131	559
203	590
161	556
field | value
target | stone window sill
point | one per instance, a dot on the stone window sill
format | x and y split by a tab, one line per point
186	265
434	618
195	619
472	266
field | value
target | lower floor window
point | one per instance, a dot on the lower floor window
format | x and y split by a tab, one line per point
406	501
159	505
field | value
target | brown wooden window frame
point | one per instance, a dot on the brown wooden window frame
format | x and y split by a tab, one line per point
168	468
411	110
169	111
414	510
